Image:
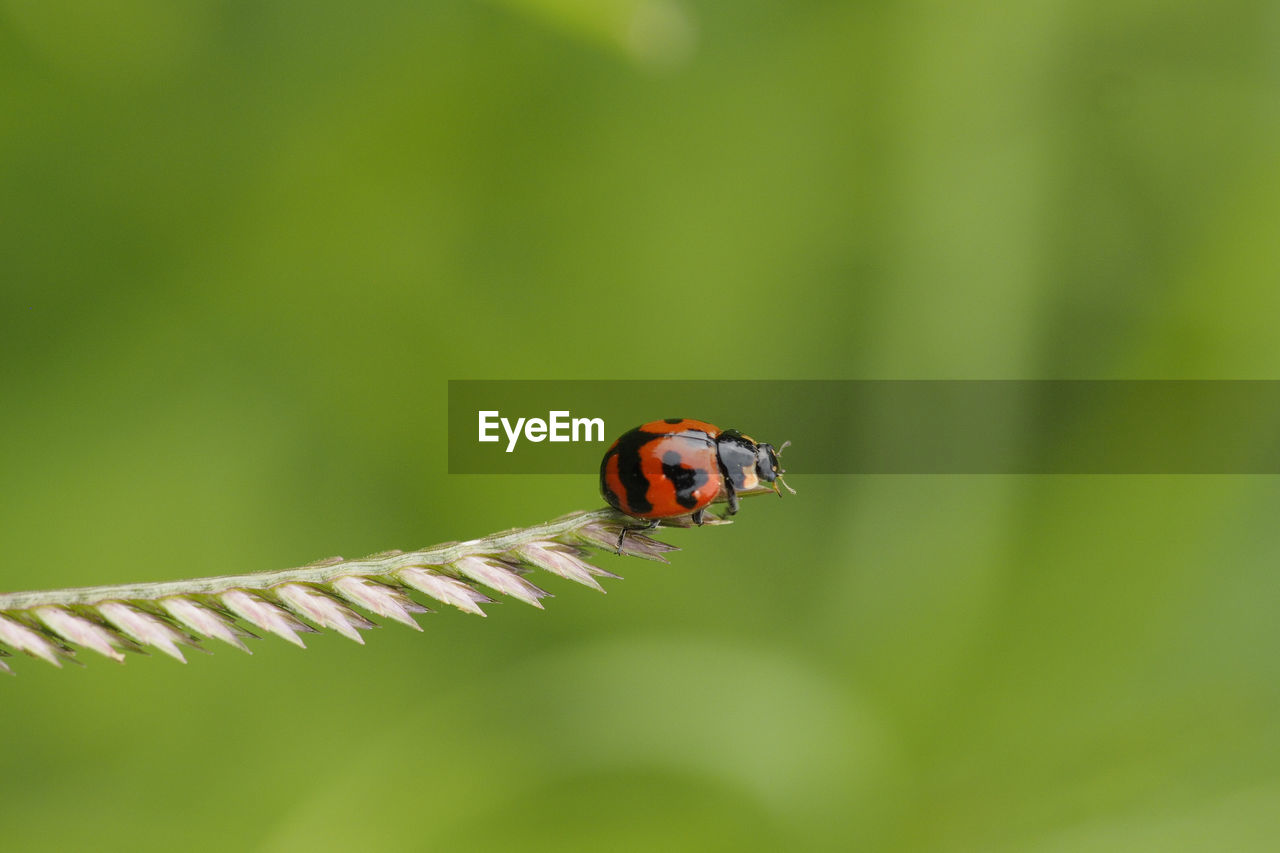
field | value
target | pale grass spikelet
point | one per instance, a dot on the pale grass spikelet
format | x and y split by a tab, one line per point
24	638
560	560
605	535
264	614
112	620
207	622
499	576
323	610
380	599
144	628
79	631
445	589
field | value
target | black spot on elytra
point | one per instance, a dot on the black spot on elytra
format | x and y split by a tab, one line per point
686	480
672	420
627	449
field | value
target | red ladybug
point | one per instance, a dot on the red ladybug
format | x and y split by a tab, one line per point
678	466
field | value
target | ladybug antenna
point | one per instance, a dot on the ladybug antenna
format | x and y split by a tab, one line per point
778	480
781	471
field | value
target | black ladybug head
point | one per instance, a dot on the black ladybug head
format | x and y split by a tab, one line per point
767	467
767	463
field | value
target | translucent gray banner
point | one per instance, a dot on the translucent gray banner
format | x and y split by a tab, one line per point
885	427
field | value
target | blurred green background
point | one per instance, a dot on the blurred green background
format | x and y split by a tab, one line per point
244	245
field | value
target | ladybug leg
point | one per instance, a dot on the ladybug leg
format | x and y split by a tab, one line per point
732	495
696	518
622	535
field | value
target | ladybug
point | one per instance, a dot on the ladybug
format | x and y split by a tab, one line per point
678	466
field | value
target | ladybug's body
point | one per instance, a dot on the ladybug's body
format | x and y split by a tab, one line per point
676	467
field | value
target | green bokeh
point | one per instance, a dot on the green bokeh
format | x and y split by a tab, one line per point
243	247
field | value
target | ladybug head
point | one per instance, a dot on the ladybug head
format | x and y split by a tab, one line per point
767	466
